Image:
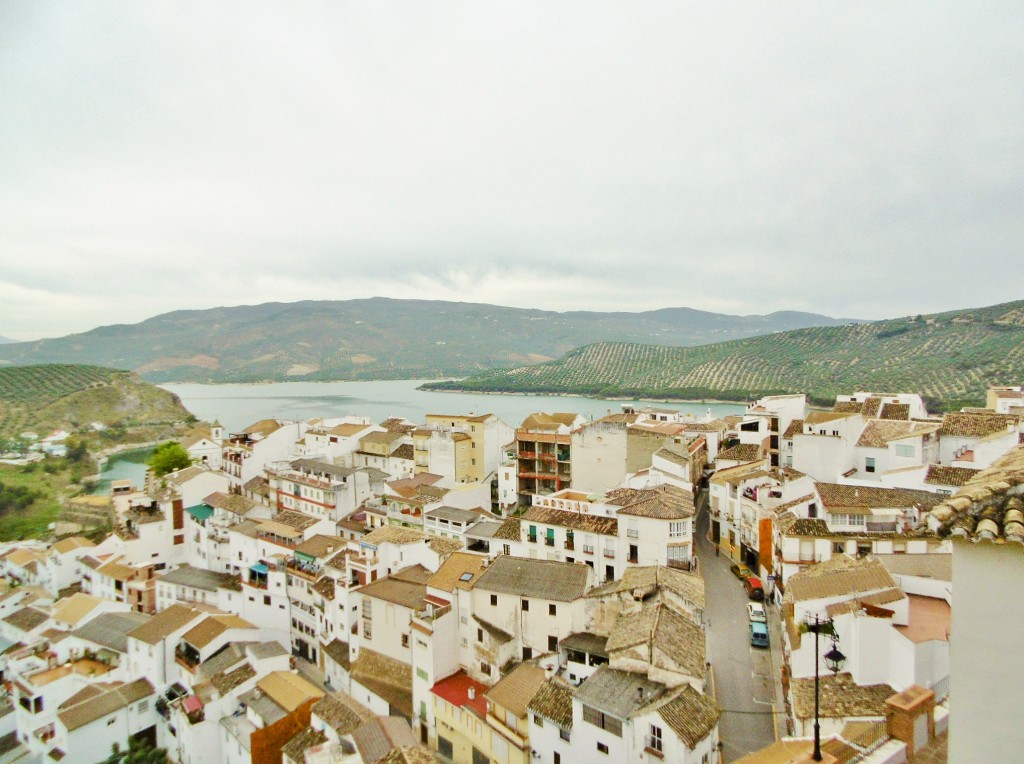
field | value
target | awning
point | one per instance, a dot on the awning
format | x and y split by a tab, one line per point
259	568
191	704
200	512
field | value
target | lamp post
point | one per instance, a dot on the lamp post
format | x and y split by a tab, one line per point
833	659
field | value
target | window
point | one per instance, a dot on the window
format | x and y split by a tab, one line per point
526	605
494	600
527	653
405	640
602	748
564	734
838	547
602	720
654	741
479	635
905	451
143	705
506	549
552	609
675	530
632	531
266	599
869	464
538	720
485	668
422	674
812	510
552	644
558	758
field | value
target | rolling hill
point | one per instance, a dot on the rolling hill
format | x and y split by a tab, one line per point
47	397
377	338
949	357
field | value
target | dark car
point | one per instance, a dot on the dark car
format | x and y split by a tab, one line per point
754	589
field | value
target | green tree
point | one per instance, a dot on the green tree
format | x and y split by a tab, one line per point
139	752
168	457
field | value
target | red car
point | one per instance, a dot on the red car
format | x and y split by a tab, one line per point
754	589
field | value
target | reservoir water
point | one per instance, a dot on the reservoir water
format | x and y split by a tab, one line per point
126	465
237	406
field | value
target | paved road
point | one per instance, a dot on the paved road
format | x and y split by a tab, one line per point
744	677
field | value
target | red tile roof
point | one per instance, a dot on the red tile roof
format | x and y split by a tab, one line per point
455	689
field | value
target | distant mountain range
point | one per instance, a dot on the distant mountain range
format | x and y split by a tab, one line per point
950	358
6	340
376	338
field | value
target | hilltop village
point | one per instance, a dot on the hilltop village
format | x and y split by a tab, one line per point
645	587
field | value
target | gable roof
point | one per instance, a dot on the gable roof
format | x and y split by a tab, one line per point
741	452
845	498
454	571
691	715
211	627
975	424
386	677
578	521
663	502
231	502
641	581
842	575
516	689
111	629
879	432
941	474
670	640
406	587
288	689
342	713
79	710
553	701
71	543
165	623
543	579
73	609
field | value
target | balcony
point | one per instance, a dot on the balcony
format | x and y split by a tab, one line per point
610	553
549	541
633	534
570	544
889	527
588	549
532	538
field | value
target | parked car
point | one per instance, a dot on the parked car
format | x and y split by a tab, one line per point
741	571
756	612
758	634
754	589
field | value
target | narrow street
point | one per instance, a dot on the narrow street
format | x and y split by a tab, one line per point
744	676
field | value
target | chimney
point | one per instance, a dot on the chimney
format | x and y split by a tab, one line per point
472	693
903	714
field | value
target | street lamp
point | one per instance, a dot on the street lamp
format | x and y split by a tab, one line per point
834	660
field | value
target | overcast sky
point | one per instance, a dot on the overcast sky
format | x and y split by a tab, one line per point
860	160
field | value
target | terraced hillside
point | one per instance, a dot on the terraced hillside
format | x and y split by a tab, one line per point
949	357
50	396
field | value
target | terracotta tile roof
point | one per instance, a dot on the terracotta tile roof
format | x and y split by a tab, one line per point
320	546
73	609
879	432
460	570
840	576
742	452
606	526
543	421
325	587
258	486
297	520
400	587
847	498
664	502
739	473
226	681
263	427
848	407
970	425
295	749
931	565
940	474
898	411
165	623
691	715
342	713
840	697
822	417
211	627
27	619
989	506
516	689
542	579
500	636
871	406
715	425
74	714
200	578
385	438
393	534
791	525
444	546
408	755
645	580
668	640
386	677
795	427
509	530
338	652
288	689
855	604
553	701
70	544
